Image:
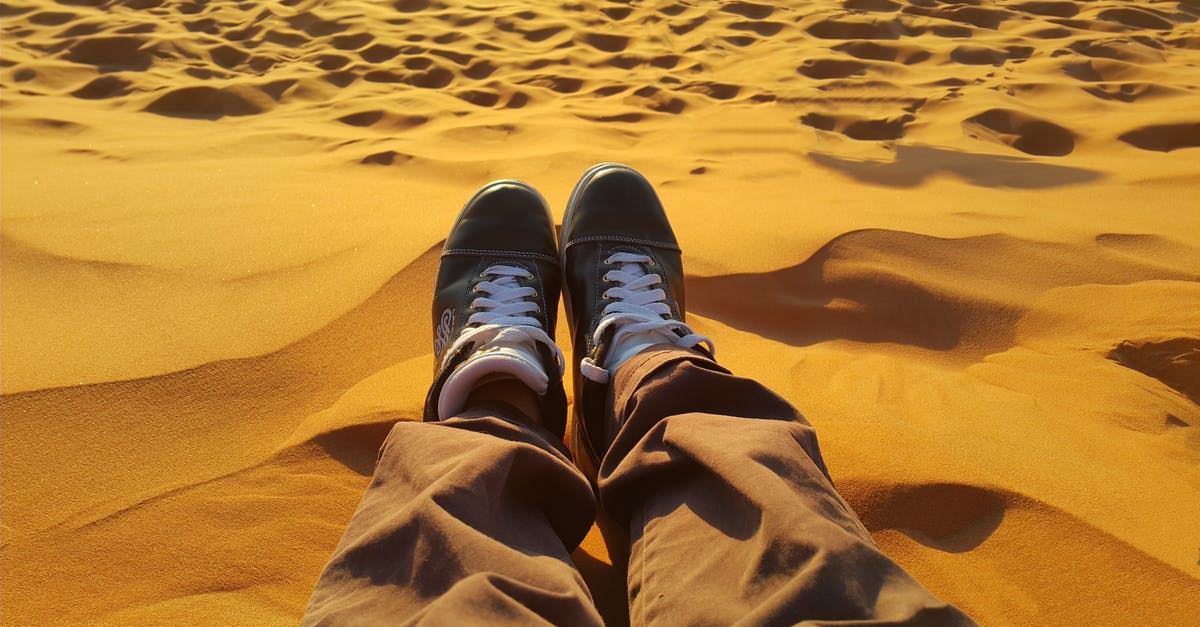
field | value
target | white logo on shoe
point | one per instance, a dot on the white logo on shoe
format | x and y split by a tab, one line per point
441	335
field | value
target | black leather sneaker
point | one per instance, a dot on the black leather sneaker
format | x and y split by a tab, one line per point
623	290
496	300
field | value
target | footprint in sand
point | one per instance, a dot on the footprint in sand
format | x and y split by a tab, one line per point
900	53
832	68
1024	132
1164	137
750	10
1175	362
211	103
965	515
102	87
110	53
854	127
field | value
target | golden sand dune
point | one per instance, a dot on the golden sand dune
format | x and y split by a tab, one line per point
962	236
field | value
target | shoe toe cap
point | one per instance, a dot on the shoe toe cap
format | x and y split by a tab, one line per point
618	202
505	216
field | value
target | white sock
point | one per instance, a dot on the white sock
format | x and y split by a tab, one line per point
511	353
625	347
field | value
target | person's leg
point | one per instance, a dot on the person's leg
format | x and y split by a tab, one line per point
469	519
731	511
472	514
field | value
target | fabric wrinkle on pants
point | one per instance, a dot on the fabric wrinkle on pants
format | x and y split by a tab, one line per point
463	522
732	514
720	482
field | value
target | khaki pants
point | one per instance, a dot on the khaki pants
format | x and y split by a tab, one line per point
731	513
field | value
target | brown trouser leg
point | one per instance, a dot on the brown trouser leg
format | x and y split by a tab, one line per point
467	521
731	511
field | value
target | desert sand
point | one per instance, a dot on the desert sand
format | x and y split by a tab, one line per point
962	237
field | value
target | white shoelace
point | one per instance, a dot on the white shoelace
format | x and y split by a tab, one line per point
500	316
639	312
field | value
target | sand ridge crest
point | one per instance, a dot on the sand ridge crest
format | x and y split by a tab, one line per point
903	288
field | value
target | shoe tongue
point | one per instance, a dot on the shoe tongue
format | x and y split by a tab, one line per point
511	353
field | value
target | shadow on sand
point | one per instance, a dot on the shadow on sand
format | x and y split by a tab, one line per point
912	165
